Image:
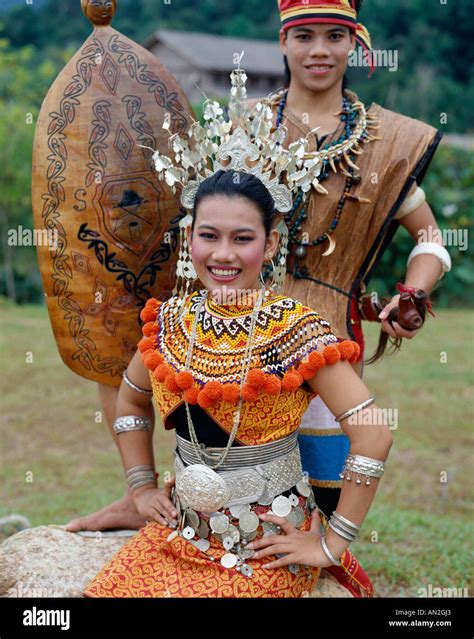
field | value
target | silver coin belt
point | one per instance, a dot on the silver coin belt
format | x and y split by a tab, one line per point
238	522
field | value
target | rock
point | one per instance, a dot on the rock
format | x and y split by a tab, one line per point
48	561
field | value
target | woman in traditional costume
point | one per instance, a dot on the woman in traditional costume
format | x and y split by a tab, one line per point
232	368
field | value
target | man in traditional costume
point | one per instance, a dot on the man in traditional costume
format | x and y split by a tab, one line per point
233	375
372	165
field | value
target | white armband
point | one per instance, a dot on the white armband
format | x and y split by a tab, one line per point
432	248
411	203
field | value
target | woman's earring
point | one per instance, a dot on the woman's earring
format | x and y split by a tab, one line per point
185	272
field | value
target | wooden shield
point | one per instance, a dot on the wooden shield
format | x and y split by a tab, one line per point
113	227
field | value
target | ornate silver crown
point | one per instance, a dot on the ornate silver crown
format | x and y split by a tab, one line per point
245	143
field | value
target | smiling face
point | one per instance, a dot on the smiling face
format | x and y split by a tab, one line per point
317	54
99	12
229	245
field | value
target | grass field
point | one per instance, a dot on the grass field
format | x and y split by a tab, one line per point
56	462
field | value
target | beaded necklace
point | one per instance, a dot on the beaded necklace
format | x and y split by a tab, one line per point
298	214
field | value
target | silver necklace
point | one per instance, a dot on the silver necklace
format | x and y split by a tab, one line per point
245	369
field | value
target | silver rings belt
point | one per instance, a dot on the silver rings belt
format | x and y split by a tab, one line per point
250	473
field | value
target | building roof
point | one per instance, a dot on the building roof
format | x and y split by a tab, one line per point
216	53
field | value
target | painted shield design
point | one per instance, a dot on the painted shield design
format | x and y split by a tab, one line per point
114	226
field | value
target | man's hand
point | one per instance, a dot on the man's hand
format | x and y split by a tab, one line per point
394	329
300	547
155	504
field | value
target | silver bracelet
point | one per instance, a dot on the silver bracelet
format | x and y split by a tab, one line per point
131	423
351	411
148	393
360	465
345	522
140	476
328	553
349	536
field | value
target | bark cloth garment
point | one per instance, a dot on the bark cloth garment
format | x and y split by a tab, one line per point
389	167
274	398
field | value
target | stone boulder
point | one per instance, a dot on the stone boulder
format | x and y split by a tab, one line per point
48	561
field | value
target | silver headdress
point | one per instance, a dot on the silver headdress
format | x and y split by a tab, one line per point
244	143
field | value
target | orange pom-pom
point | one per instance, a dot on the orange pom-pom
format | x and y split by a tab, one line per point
152	359
291	381
161	372
231	393
149	329
356	354
332	354
256	378
204	400
272	385
249	393
213	390
316	360
185	380
346	349
307	371
146	344
191	395
170	383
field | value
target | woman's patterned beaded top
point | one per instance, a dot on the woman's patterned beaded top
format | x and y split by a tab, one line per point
287	336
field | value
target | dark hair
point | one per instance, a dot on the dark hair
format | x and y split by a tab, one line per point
235	184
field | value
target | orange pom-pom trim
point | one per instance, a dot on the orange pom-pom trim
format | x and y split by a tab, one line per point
316	360
356	354
291	381
170	383
185	380
332	354
249	393
149	329
150	310
307	371
346	348
272	385
161	372
204	400
191	395
256	378
213	390
230	393
146	344
152	359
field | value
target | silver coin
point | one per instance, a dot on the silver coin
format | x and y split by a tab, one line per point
192	518
293	499
234	533
219	523
228	542
268	533
265	499
247	570
299	514
245	553
188	532
303	488
172	535
249	536
281	506
203	530
228	560
236	510
294	568
248	522
269	527
203	544
292	518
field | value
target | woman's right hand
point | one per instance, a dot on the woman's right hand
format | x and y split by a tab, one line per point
154	504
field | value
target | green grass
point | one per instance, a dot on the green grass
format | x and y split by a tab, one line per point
418	530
